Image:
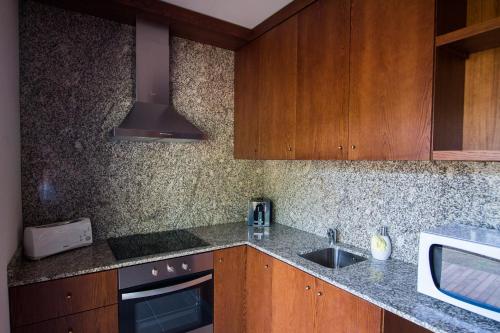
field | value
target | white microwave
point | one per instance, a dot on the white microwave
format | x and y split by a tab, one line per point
460	265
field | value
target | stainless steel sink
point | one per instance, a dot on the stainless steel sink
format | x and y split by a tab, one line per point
333	257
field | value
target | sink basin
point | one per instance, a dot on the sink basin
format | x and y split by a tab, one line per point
332	257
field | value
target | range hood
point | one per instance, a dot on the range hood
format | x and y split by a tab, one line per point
152	117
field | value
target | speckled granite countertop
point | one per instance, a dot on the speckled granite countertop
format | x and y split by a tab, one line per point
392	285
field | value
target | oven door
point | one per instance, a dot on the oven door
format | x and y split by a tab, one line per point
171	306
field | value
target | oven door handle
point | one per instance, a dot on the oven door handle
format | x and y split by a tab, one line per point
166	290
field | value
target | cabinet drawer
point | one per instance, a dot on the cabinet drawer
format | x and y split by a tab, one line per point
47	300
102	320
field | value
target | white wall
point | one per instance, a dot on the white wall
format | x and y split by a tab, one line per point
10	145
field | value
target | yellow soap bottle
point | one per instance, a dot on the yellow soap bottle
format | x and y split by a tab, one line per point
381	245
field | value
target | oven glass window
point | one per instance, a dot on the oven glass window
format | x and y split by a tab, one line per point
181	311
170	314
467	276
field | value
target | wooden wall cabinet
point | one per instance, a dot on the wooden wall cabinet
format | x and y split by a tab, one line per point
246	98
391	79
265	89
66	304
339	80
278	86
229	290
323	81
294	80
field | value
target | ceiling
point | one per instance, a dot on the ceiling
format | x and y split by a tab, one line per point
247	13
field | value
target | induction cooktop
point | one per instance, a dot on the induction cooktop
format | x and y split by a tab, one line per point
141	245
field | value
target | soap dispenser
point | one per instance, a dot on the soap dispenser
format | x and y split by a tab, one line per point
381	245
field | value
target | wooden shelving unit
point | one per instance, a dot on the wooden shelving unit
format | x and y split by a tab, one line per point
466	124
478	37
466	155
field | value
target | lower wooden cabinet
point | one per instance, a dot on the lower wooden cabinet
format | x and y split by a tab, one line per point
253	292
293	300
102	320
339	311
258	291
229	290
47	300
87	302
396	324
303	303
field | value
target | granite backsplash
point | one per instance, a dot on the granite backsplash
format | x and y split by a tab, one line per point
359	197
77	82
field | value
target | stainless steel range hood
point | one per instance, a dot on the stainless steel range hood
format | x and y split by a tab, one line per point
152	117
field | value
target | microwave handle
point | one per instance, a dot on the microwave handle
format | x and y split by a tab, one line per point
166	290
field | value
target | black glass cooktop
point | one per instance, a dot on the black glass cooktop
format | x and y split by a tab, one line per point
159	242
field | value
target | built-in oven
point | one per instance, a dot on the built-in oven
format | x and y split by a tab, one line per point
168	296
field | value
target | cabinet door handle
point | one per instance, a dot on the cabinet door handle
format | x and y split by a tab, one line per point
166	290
340	147
69	296
70	330
353	147
220	260
319	293
266	266
308	287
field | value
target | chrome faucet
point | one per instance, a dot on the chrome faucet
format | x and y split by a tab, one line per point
332	236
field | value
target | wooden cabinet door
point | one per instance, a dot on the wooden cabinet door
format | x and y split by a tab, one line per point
392	47
246	98
229	290
396	324
338	311
102	320
293	300
47	300
277	91
259	291
323	81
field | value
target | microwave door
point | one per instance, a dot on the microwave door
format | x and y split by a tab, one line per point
467	276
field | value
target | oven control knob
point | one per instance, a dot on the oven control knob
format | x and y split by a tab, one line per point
185	266
154	271
170	269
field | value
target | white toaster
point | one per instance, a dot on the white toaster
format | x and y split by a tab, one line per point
45	240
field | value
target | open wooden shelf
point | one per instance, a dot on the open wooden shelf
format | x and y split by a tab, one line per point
473	38
466	114
466	155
